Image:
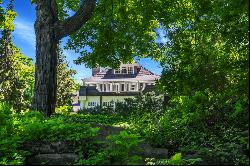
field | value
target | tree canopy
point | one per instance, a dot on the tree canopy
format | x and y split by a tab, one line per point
16	70
205	119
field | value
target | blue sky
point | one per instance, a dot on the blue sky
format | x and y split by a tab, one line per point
24	38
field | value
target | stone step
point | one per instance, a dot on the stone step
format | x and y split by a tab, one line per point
52	159
63	152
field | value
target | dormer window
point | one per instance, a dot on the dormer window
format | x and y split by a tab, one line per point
117	71
130	70
124	70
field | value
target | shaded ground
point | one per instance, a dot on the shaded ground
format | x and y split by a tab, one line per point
64	152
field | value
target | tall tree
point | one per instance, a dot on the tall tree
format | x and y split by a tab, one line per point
208	54
16	70
49	30
114	30
66	84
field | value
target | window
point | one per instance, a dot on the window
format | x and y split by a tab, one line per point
117	71
141	86
132	87
104	88
92	104
105	103
130	70
124	70
114	88
123	87
108	104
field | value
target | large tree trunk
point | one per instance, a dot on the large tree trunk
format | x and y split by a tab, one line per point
49	30
46	58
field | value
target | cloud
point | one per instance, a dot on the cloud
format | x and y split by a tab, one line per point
24	30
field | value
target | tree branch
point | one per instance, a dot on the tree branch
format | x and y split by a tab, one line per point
75	22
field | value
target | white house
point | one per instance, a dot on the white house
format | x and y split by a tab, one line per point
108	86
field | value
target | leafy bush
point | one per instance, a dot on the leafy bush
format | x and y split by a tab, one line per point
32	126
107	110
174	160
120	146
64	109
143	103
116	152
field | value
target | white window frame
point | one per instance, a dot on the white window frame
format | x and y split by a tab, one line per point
92	103
130	71
117	71
124	69
133	87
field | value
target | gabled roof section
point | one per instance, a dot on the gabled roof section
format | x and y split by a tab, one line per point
107	74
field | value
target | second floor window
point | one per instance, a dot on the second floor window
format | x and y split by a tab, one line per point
124	70
130	70
117	71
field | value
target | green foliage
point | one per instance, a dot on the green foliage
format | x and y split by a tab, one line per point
6	19
120	146
174	160
98	119
67	6
143	114
32	126
5	111
64	110
143	103
117	31
1	15
9	141
97	159
16	70
205	74
117	152
17	80
66	85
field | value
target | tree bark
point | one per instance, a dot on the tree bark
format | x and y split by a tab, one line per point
46	58
49	30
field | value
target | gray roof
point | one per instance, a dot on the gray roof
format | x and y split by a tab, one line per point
140	74
131	79
92	91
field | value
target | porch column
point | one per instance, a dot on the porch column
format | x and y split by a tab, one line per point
118	89
144	85
125	86
107	87
111	87
129	86
98	87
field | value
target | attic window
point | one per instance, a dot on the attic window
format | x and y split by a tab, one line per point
124	70
130	70
117	71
